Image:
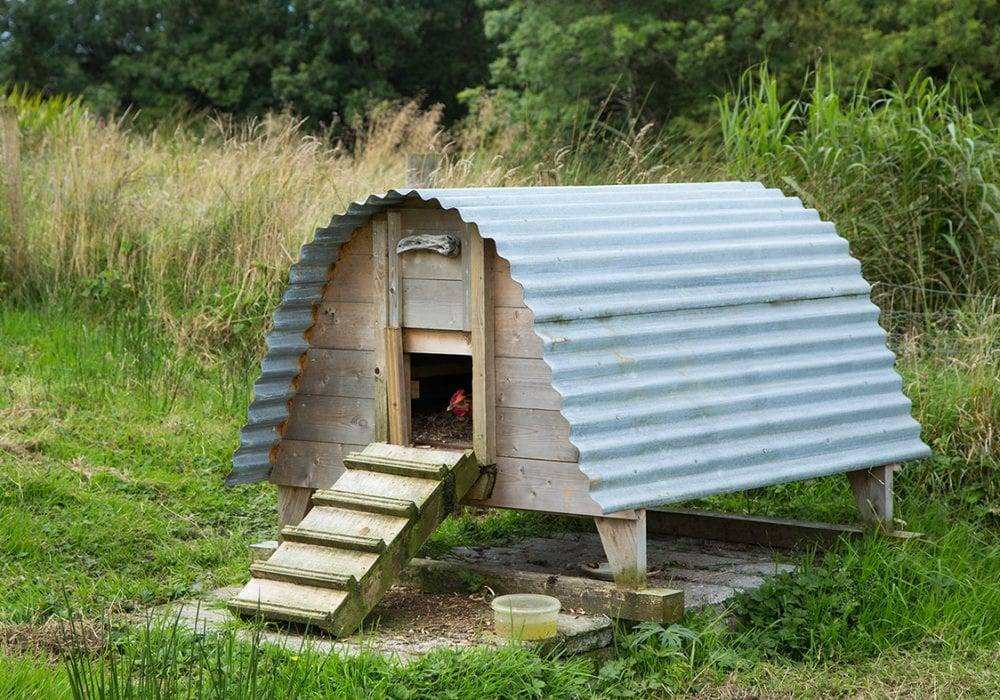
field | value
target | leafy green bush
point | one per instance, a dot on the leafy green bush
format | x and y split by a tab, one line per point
875	595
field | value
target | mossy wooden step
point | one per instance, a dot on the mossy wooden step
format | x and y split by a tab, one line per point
366	502
361	543
387	465
305	577
332	568
288	602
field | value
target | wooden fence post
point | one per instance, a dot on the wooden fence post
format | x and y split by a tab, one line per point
10	140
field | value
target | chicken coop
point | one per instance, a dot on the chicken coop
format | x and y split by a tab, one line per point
592	351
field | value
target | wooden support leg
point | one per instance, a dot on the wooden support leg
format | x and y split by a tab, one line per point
625	544
873	493
293	504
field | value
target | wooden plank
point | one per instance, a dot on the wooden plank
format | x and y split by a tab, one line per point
661	605
397	388
360	242
757	530
624	542
342	325
331	419
422	264
543	486
480	311
515	334
314	465
380	294
434	304
352	279
293	504
436	342
473	246
532	433
507	292
525	383
394	287
339	373
431	219
873	494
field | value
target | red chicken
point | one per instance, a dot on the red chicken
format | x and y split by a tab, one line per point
460	404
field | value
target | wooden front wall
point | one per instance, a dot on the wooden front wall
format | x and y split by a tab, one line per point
333	411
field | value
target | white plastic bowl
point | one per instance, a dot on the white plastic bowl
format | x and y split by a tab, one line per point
525	616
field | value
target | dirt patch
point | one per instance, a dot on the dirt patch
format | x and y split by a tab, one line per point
54	638
28	448
404	612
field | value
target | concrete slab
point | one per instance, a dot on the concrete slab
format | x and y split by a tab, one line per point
708	572
405	626
410	623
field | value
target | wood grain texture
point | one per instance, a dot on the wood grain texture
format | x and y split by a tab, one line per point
872	490
532	433
544	486
314	465
352	279
436	342
380	322
421	264
347	373
515	334
331	419
624	542
525	383
431	219
434	304
397	387
395	300
342	325
293	504
480	312
360	242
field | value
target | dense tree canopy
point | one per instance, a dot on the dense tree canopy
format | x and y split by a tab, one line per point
319	57
548	62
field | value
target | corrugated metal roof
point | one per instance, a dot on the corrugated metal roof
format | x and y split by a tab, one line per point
705	338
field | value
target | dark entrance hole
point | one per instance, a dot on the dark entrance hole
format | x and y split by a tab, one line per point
434	381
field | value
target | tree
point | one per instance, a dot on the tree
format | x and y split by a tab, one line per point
319	57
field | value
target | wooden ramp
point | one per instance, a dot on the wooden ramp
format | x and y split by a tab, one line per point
332	568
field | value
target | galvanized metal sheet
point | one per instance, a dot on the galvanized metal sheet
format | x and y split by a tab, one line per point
705	338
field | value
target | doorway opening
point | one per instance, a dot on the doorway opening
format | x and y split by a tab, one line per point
441	400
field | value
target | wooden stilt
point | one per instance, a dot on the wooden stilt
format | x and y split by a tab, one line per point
293	504
873	493
625	544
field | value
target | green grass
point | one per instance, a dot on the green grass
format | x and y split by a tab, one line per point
126	368
112	451
114	444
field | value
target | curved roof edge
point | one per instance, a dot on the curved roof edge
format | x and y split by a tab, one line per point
642	292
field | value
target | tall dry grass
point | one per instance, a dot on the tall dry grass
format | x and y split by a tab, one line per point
196	227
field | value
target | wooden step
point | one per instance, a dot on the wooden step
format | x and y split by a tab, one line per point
369	503
332	568
360	543
386	465
280	600
342	521
304	577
